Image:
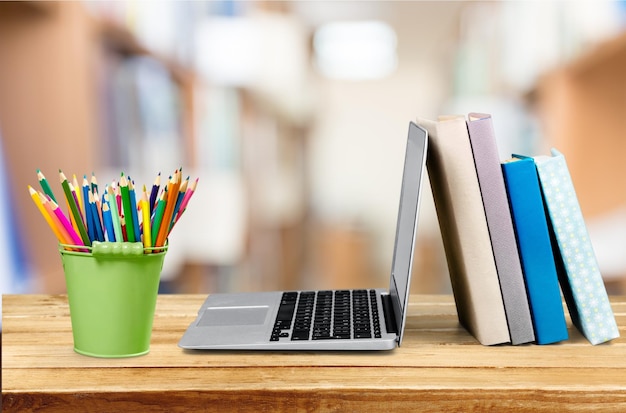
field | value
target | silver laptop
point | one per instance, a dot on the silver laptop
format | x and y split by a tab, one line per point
362	319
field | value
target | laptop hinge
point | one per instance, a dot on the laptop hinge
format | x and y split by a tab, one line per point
390	318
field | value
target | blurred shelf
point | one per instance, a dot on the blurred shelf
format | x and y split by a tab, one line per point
609	53
581	108
27	8
121	40
49	100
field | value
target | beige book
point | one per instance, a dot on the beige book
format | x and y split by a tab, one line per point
464	230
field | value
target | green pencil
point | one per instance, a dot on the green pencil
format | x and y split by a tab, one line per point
128	209
74	209
45	185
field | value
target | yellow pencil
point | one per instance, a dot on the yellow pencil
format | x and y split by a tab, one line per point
145	212
35	196
79	197
47	204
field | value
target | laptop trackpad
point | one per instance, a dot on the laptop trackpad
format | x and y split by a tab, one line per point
233	316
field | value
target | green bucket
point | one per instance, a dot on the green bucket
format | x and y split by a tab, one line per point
112	290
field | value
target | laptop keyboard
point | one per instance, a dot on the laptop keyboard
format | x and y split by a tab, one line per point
327	315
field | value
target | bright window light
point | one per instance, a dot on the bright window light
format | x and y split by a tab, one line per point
356	50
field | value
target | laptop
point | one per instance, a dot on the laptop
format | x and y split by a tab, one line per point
359	319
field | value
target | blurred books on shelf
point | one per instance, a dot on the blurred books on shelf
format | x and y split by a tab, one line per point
14	268
142	116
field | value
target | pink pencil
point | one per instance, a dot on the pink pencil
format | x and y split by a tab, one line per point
183	204
68	227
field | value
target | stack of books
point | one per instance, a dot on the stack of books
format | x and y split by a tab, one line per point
513	232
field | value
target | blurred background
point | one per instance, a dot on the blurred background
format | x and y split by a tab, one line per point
294	116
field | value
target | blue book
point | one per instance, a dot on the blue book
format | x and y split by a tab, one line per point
535	250
577	266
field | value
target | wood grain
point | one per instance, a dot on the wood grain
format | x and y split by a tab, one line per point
440	367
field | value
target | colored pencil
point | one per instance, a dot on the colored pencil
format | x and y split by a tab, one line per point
133	209
75	238
95	218
155	191
120	215
45	185
46	201
89	221
118	200
46	215
128	212
115	216
169	209
74	192
94	183
158	217
124	229
98	202
188	194
108	222
145	212
179	201
79	197
74	209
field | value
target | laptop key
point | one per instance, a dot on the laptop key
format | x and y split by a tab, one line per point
300	335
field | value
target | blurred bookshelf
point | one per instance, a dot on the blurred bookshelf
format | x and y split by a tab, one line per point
84	86
55	107
144	87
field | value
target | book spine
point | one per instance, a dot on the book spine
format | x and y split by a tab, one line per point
464	231
535	250
581	281
499	222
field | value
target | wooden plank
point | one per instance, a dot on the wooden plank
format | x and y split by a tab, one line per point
419	355
76	380
326	400
439	367
164	352
306	389
41	336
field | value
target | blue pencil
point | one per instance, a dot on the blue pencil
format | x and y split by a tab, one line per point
108	222
155	192
88	213
99	233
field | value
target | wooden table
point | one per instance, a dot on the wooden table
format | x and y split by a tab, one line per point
440	367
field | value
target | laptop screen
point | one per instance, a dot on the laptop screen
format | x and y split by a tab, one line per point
406	228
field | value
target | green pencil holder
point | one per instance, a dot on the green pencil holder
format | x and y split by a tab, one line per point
112	290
